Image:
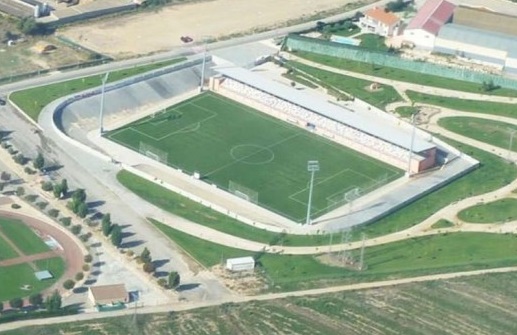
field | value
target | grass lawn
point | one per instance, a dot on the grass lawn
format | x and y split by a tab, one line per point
474	106
417	256
405	111
299	78
496	133
345	31
265	157
15	276
22	236
195	212
402	75
442	223
492	212
358	88
6	251
373	42
32	100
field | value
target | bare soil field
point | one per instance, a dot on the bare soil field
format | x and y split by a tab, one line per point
158	31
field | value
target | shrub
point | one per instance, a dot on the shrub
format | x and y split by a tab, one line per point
130	253
11	150
85	237
5	145
20	159
47	186
162	282
53	212
79	276
16	303
28	170
31	197
66	221
42	204
88	258
16	206
69	284
20	191
86	267
76	229
91	223
149	267
5	176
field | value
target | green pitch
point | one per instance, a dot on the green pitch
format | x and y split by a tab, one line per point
230	143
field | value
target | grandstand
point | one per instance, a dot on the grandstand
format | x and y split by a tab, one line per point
381	139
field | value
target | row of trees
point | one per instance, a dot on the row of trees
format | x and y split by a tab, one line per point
173	278
111	230
52	303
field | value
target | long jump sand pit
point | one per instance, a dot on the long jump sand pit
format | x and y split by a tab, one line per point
149	32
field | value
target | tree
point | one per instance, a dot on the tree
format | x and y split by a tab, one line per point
396	6
1	306
69	284
82	210
20	191
79	196
174	279
36	299
39	161
58	190
149	267
116	235
53	302
145	256
64	187
29	26
16	303
88	258
106	224
79	276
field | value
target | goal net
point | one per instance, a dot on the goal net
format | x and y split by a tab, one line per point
243	192
340	199
153	152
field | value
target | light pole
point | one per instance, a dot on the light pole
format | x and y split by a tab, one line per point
101	113
512	132
312	167
201	84
413	118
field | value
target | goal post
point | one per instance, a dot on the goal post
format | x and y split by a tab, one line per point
153	152
243	192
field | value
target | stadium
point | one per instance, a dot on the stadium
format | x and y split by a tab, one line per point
248	139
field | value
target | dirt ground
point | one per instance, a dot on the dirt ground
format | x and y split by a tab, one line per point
158	31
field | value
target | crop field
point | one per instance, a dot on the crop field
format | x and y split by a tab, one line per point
481	305
265	159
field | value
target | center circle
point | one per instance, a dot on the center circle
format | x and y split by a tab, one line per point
252	154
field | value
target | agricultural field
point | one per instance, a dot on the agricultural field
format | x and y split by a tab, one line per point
498	211
32	100
482	305
254	156
492	132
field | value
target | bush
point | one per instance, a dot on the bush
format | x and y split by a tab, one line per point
47	186
76	229
16	303
11	150
130	253
42	205
66	221
82	210
85	237
69	284
53	212
31	197
91	223
79	276
20	191
88	258
28	170
162	282
5	176
149	267
36	299
86	267
5	145
16	206
20	159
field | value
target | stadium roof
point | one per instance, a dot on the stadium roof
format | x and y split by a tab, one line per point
382	129
432	16
478	37
483	18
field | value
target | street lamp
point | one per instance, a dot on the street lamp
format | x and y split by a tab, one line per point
413	122
101	113
512	132
312	167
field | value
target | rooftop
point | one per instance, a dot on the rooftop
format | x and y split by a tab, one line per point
116	292
379	14
432	16
486	19
381	128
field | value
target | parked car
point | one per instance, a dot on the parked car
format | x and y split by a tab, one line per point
2	102
186	39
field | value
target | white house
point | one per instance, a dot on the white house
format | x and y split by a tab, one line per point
424	27
240	264
377	21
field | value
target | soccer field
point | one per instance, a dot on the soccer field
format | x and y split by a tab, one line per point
254	156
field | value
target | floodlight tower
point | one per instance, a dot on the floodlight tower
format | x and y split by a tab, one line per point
101	113
512	133
202	82
413	122
312	167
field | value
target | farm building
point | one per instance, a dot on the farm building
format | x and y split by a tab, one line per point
240	264
485	19
424	27
380	22
108	295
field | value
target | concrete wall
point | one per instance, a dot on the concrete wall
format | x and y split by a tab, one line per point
420	38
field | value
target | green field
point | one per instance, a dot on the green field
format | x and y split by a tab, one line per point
481	305
15	276
406	111
373	42
32	100
442	223
6	251
488	131
402	75
493	212
466	105
22	236
259	153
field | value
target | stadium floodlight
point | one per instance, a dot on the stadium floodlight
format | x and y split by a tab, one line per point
512	132
413	122
202	82
101	113
312	167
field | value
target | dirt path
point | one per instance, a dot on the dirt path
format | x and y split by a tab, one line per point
29	259
161	30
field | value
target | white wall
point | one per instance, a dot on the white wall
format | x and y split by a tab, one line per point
421	38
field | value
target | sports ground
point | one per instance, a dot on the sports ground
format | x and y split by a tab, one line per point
253	155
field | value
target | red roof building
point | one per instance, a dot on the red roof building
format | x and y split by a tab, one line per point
424	27
378	21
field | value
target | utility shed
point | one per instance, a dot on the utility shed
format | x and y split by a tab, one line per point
108	294
240	264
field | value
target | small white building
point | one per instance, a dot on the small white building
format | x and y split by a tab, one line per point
240	264
377	21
